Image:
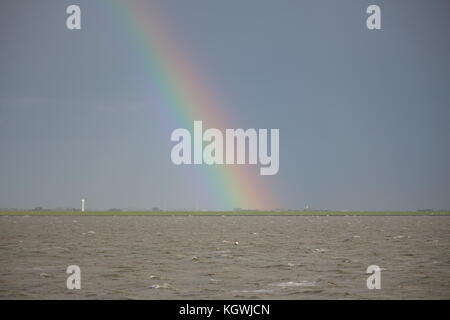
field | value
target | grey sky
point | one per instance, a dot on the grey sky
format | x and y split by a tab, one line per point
363	115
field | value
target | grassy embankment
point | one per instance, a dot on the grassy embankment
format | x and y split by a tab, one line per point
224	213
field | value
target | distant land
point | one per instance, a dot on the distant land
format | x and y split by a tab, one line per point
220	213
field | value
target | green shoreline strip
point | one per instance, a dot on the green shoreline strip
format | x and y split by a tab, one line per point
223	213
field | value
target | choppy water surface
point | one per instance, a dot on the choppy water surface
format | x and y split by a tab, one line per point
232	257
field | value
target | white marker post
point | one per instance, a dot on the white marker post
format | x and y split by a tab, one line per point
82	205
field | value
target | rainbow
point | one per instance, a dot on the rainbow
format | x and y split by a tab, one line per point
185	97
